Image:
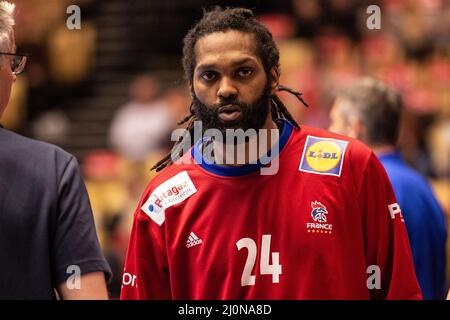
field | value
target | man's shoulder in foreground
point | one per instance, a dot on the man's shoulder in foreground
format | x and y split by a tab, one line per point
34	167
21	149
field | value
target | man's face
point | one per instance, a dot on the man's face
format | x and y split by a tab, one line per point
339	120
231	88
6	79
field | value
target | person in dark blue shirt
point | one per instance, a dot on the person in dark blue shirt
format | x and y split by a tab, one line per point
48	244
370	111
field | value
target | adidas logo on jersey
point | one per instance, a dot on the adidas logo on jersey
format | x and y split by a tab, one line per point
193	240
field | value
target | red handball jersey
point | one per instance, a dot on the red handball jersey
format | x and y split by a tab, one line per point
325	226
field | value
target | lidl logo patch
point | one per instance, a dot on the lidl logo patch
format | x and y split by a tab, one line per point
323	156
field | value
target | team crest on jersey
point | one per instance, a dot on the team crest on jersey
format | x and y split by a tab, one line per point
323	156
319	214
171	192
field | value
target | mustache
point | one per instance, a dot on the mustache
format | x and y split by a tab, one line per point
227	101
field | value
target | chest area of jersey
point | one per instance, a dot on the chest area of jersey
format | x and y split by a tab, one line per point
257	235
293	204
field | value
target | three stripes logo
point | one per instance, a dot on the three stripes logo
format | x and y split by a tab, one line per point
193	240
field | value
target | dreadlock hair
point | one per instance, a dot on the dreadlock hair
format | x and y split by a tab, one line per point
222	20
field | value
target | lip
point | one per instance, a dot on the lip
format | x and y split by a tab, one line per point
229	108
230	112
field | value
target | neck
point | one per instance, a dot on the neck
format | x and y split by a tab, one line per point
257	146
381	149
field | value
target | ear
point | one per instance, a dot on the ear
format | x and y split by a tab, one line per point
356	128
274	79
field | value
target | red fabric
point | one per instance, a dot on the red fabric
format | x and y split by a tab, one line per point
316	265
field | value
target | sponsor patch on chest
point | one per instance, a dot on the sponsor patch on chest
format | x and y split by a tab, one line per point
171	192
323	156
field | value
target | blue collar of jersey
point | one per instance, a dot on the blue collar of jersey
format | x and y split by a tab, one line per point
234	171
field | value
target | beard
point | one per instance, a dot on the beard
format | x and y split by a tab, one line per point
254	115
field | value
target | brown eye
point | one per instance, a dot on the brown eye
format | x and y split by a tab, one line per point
245	72
208	75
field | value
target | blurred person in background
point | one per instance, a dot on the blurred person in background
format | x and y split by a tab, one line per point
370	111
438	140
138	133
177	99
47	232
141	126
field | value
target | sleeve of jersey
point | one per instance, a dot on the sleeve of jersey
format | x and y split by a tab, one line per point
146	273
388	253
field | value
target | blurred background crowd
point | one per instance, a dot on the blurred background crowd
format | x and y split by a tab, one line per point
112	92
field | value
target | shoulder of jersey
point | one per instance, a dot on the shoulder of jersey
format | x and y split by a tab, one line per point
324	152
171	186
353	144
161	177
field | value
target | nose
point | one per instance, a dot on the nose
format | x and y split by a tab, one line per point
227	88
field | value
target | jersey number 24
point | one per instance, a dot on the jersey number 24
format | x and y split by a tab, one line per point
265	267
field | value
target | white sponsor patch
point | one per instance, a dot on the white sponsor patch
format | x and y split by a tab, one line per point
171	192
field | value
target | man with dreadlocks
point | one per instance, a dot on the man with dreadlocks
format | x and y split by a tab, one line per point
324	225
